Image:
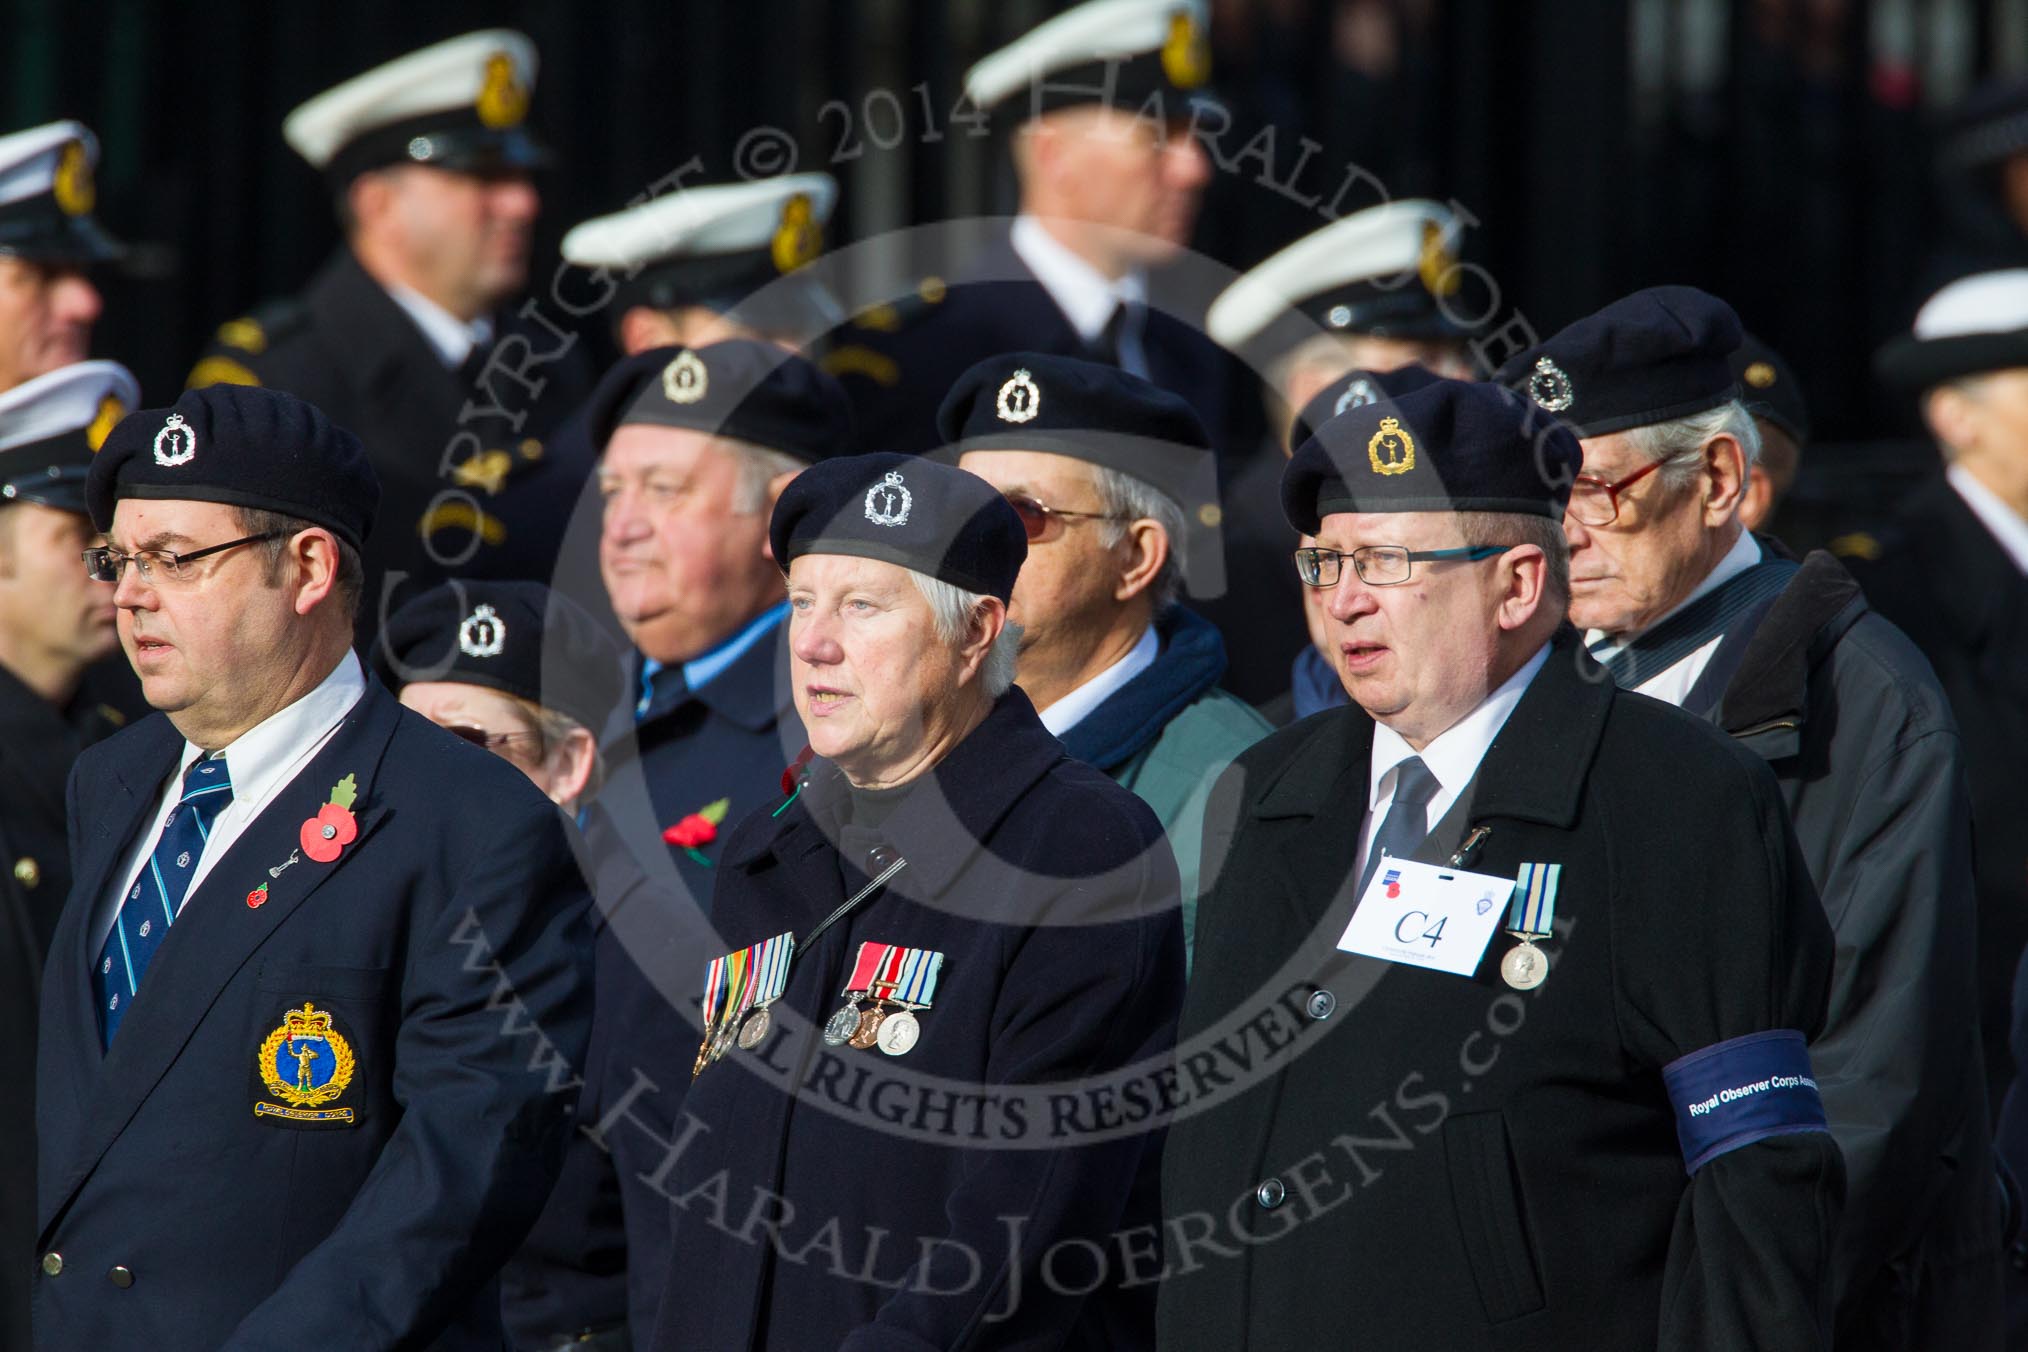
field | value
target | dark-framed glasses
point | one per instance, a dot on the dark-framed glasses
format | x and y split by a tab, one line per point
154	565
1594	502
1037	516
492	741
1379	565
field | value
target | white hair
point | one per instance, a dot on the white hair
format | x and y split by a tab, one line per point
952	609
758	467
1130	499
1679	443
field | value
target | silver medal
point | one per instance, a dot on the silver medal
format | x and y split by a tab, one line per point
754	1029
843	1024
1524	967
899	1033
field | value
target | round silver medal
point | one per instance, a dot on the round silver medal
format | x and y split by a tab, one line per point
754	1029
843	1024
1524	967
899	1033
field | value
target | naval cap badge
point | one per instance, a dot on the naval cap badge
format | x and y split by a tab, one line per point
685	380
888	502
483	633
1549	386
1020	399
1357	395
176	443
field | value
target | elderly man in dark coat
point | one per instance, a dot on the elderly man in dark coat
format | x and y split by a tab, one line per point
1681	603
942	945
1493	1152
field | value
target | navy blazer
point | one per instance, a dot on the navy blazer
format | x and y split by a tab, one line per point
447	942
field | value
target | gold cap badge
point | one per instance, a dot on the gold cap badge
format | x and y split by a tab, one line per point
1760	375
503	99
1186	54
72	186
1392	449
799	238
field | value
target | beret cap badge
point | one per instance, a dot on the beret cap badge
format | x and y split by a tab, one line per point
1020	398
685	380
888	502
73	189
1357	395
176	443
483	633
503	99
1549	387
1392	449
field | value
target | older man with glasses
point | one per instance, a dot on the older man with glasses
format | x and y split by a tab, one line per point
1680	602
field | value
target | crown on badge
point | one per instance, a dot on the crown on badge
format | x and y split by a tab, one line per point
1392	449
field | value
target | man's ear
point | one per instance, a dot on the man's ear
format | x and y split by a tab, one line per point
1148	549
642	328
314	552
1524	582
1723	479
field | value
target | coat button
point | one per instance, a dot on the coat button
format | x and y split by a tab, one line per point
27	872
880	858
1270	1193
122	1277
1321	1004
52	1263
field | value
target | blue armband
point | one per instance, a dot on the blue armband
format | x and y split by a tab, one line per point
1741	1091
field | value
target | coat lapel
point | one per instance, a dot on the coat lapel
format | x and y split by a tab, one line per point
217	931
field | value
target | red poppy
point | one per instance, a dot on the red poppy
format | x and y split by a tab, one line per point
329	832
694	830
796	767
257	896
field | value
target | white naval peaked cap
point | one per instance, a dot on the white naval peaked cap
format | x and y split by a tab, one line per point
490	72
1353	275
67	399
701	221
1097	31
29	159
1986	302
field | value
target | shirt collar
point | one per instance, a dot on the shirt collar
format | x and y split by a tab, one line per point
452	337
2005	525
1086	296
1075	707
268	751
702	668
1744	554
1453	756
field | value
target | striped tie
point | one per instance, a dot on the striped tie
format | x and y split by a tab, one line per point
149	908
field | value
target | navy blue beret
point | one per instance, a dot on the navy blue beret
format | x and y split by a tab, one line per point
906	510
1770	389
1447	446
1651	357
1091	411
1354	390
243	446
517	637
743	389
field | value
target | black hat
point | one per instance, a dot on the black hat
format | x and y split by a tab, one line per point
47	194
1652	357
740	249
747	390
905	510
1448	446
457	105
1769	389
1386	272
1975	325
1356	389
51	426
517	637
1989	126
1090	411
243	446
1150	56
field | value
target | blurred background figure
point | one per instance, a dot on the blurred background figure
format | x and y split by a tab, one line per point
62	687
402	337
1100	99
1773	396
49	243
1367	293
715	261
527	674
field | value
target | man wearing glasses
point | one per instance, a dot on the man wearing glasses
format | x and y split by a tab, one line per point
1100	465
1503	944
276	1088
1678	601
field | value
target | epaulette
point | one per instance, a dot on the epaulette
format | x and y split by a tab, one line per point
867	359
1858	544
897	314
247	337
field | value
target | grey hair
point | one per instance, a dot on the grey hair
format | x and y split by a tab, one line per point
1130	499
758	466
1525	528
952	609
1679	443
350	582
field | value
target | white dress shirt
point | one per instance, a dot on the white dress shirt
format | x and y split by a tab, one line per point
451	336
1452	757
1673	684
1075	707
264	760
1086	296
2002	522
